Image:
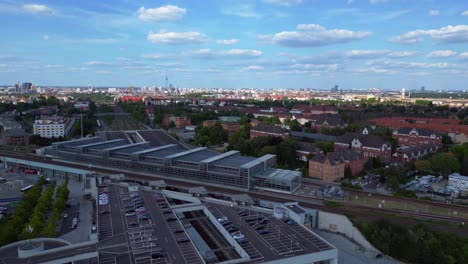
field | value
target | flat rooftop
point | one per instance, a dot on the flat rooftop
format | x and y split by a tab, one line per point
181	217
234	161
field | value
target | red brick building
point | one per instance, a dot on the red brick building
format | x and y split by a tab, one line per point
179	121
403	154
326	121
331	167
366	145
268	130
230	127
458	133
16	136
417	137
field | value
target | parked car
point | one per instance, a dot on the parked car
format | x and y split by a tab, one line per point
171	219
263	232
157	255
178	231
222	219
104	212
290	222
183	240
130	214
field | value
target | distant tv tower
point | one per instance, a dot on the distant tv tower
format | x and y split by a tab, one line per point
166	83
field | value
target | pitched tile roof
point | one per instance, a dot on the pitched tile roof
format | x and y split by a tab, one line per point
269	129
366	140
420	131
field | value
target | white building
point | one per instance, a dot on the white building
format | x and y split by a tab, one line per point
51	126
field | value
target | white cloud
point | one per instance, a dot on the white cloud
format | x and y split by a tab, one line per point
401	54
441	54
463	56
161	14
176	37
374	70
241	10
283	2
51	66
313	35
434	12
38	9
207	54
45	37
411	65
253	68
363	54
377	1
464	13
448	34
329	67
227	41
242	52
98	63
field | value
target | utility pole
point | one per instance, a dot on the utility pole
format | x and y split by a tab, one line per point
81	122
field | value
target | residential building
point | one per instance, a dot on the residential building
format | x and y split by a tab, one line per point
417	137
331	167
52	126
81	105
15	136
413	153
327	121
312	136
305	150
268	130
326	168
366	145
230	125
458	132
180	122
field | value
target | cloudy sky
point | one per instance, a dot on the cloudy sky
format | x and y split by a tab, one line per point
387	44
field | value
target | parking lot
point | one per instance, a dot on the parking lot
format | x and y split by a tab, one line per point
267	238
133	229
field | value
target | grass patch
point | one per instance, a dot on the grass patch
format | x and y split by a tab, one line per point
332	204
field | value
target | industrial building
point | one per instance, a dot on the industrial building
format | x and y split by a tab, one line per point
146	152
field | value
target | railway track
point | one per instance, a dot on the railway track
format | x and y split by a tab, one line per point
387	197
310	202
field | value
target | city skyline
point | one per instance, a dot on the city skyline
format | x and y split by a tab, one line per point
387	44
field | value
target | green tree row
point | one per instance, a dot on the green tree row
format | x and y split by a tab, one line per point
415	244
61	199
445	163
13	227
38	218
208	136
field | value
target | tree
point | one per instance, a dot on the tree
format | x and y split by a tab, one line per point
286	153
445	163
423	165
394	183
294	125
326	146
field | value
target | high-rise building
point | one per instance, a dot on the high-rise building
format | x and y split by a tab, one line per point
334	89
423	89
26	86
403	91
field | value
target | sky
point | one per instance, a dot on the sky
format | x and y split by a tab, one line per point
356	44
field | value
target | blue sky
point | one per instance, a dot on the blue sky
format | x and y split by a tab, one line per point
387	44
